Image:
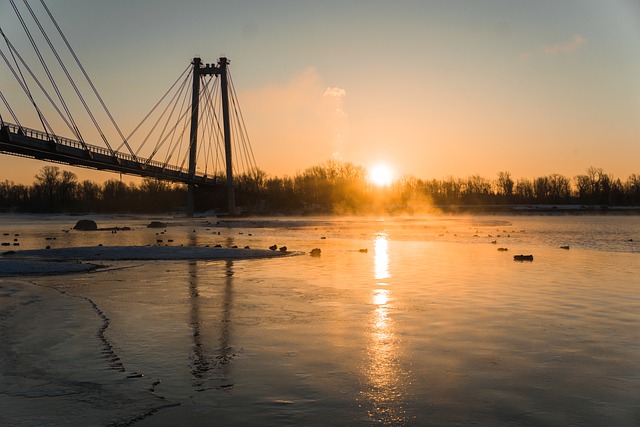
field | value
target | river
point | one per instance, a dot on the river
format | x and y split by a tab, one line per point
399	321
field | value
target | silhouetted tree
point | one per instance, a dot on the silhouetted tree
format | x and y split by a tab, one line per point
329	187
505	185
89	196
594	187
114	196
524	190
476	189
45	189
632	189
67	188
559	188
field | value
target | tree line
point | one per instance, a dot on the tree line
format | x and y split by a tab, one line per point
330	187
344	188
54	190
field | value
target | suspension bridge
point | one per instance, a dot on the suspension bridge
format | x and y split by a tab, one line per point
195	134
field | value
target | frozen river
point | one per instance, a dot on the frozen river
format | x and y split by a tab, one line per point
399	321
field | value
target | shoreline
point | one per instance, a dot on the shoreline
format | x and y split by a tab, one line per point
542	209
579	209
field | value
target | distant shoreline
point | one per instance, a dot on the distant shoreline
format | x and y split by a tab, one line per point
543	209
516	209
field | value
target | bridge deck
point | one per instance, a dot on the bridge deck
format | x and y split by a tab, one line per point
36	144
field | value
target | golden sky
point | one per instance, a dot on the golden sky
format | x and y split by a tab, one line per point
431	88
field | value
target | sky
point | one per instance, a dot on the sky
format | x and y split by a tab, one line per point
431	88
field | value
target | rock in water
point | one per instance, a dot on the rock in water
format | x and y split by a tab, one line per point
86	225
156	224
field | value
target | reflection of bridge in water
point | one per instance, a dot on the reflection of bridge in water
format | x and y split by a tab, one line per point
192	137
210	363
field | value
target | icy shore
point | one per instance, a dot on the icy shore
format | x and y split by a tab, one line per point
69	260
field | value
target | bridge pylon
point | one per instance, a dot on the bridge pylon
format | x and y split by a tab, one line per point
202	70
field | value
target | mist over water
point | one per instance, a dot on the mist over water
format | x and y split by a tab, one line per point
400	321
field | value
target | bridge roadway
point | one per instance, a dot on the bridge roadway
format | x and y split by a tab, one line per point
32	143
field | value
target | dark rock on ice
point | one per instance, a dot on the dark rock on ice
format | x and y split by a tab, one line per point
86	225
156	224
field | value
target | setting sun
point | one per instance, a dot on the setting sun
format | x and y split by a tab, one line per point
381	175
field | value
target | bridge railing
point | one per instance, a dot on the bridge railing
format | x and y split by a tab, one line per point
33	133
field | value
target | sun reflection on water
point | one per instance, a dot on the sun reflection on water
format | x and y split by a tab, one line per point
381	256
384	377
380	296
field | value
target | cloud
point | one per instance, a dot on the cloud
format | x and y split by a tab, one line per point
335	95
335	92
567	47
302	117
563	48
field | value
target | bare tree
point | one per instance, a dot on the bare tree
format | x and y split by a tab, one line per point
505	185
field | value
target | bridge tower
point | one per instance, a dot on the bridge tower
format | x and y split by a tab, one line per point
202	70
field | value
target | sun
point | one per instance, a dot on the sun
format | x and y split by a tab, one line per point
381	175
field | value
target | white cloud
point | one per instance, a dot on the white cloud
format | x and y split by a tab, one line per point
335	92
562	48
567	47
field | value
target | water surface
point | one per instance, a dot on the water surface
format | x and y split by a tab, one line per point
402	321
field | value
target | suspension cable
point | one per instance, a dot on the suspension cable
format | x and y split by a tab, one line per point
95	91
73	83
171	134
156	106
205	148
153	128
182	118
242	122
20	78
213	127
172	103
13	114
75	129
23	83
216	132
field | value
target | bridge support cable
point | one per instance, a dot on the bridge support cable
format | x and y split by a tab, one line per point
22	82
71	81
244	135
216	134
168	111
177	142
47	71
170	134
128	138
211	129
95	91
11	112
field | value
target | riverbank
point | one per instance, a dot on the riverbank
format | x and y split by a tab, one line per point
540	209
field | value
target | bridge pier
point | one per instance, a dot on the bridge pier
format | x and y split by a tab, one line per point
200	70
224	89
